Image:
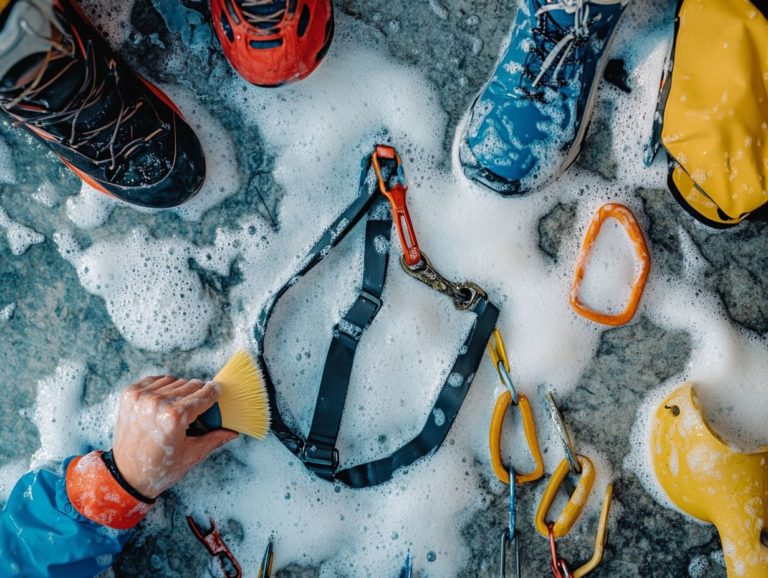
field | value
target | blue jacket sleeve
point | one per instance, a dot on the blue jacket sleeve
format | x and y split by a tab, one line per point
43	536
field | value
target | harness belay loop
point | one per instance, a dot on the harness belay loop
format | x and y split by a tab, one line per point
318	449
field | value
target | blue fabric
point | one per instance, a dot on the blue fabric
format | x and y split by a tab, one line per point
528	117
43	536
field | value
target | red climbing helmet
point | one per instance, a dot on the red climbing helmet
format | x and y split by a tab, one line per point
270	42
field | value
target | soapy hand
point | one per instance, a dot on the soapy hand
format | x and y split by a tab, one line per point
151	449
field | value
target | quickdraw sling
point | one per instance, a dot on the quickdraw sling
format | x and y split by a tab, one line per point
385	183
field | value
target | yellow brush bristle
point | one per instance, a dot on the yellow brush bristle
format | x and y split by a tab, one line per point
244	403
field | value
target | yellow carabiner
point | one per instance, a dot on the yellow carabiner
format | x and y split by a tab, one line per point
600	538
497	423
498	353
576	502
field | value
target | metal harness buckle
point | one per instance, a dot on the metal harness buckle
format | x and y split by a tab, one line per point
321	459
352	330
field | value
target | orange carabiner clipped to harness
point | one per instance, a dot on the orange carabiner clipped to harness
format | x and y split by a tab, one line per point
508	398
396	196
627	220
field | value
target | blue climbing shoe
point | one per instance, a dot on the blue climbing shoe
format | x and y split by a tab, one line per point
528	123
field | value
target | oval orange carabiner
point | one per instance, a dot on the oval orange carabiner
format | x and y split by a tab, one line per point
627	220
576	502
503	403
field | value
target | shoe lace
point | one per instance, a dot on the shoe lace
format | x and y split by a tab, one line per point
90	92
264	14
559	53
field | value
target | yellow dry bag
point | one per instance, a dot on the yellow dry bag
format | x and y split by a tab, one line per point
714	110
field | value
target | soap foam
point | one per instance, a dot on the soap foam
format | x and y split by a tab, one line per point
89	208
612	258
7	312
153	296
7	169
20	237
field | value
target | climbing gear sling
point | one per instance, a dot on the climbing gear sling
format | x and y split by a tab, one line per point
381	180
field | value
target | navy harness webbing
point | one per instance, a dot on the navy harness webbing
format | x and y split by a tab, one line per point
318	451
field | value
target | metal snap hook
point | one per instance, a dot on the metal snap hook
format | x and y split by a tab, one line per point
563	434
216	547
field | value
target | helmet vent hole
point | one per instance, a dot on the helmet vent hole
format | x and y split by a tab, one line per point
226	27
266	44
303	21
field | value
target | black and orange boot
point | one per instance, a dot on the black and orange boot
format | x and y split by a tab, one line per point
61	82
271	42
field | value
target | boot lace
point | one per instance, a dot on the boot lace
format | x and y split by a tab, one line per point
29	107
563	40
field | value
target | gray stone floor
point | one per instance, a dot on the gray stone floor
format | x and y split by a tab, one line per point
454	43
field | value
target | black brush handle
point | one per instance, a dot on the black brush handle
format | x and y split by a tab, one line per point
208	421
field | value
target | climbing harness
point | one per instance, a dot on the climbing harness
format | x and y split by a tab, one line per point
381	183
216	547
510	398
576	464
628	221
265	568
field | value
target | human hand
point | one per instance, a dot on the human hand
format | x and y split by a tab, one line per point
151	449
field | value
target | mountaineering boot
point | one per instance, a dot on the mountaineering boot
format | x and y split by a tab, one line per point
271	42
61	82
528	123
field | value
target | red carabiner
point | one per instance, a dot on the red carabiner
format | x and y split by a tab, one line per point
396	197
216	546
559	566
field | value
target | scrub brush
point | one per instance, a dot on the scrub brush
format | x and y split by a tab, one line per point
243	405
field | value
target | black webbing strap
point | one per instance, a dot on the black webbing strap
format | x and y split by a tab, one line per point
444	411
319	452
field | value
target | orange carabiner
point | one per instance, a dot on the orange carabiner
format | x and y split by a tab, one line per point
510	397
576	502
625	217
396	197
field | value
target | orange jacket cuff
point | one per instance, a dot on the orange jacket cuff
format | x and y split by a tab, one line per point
97	495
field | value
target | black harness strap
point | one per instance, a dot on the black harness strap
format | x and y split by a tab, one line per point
320	449
444	411
319	452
